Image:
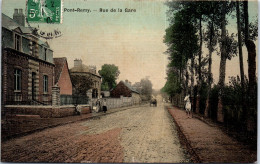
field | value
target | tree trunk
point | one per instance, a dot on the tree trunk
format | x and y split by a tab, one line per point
206	112
222	68
192	83
241	60
199	71
186	82
252	89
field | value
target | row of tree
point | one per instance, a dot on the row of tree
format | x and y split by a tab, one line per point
193	24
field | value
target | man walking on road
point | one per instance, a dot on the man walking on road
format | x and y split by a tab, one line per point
104	106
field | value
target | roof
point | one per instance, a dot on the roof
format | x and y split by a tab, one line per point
129	87
83	69
59	64
8	22
11	24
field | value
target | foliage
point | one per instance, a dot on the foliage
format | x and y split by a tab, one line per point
172	85
230	44
146	88
81	84
109	74
181	40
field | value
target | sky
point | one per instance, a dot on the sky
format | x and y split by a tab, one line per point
131	41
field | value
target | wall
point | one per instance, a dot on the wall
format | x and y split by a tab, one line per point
44	111
117	102
65	82
10	61
7	37
45	69
136	97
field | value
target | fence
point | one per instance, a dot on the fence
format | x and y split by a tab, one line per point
73	99
118	102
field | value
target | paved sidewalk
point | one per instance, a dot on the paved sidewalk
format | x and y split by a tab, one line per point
19	126
207	143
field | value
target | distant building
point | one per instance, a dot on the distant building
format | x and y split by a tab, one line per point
62	76
90	72
27	63
126	90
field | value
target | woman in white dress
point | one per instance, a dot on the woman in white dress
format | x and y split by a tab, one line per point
187	105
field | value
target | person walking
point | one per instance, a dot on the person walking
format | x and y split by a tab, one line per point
188	105
98	105
104	106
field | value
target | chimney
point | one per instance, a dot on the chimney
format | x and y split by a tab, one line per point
77	62
15	11
19	17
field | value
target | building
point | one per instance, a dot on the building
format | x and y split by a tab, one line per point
27	64
89	72
126	90
62	76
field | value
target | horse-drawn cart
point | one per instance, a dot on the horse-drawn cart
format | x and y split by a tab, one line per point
153	102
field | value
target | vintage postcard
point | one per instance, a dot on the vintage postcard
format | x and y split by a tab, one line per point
129	81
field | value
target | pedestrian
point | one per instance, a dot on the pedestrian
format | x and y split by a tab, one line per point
98	105
104	106
188	105
77	109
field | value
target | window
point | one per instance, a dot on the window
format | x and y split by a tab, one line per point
17	79
45	83
17	41
45	54
34	48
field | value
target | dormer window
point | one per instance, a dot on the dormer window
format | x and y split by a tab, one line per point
17	42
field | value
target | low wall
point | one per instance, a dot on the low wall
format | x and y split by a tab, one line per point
118	102
44	111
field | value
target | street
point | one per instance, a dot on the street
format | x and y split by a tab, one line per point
142	134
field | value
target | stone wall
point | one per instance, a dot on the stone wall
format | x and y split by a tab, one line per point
44	111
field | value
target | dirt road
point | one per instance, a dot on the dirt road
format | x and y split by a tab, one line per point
144	134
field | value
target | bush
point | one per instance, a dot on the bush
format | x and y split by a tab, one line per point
213	102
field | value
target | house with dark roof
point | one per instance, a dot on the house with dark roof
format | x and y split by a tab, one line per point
62	76
27	64
124	88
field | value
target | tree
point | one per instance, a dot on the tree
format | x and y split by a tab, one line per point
182	43
252	89
82	84
228	47
146	88
109	74
239	35
172	85
211	38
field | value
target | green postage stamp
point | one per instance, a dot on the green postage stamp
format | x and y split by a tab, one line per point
44	11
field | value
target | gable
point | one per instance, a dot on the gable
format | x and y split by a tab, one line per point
64	81
18	30
121	90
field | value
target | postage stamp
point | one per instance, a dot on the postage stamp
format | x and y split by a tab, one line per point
44	11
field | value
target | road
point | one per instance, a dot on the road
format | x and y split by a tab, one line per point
143	134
